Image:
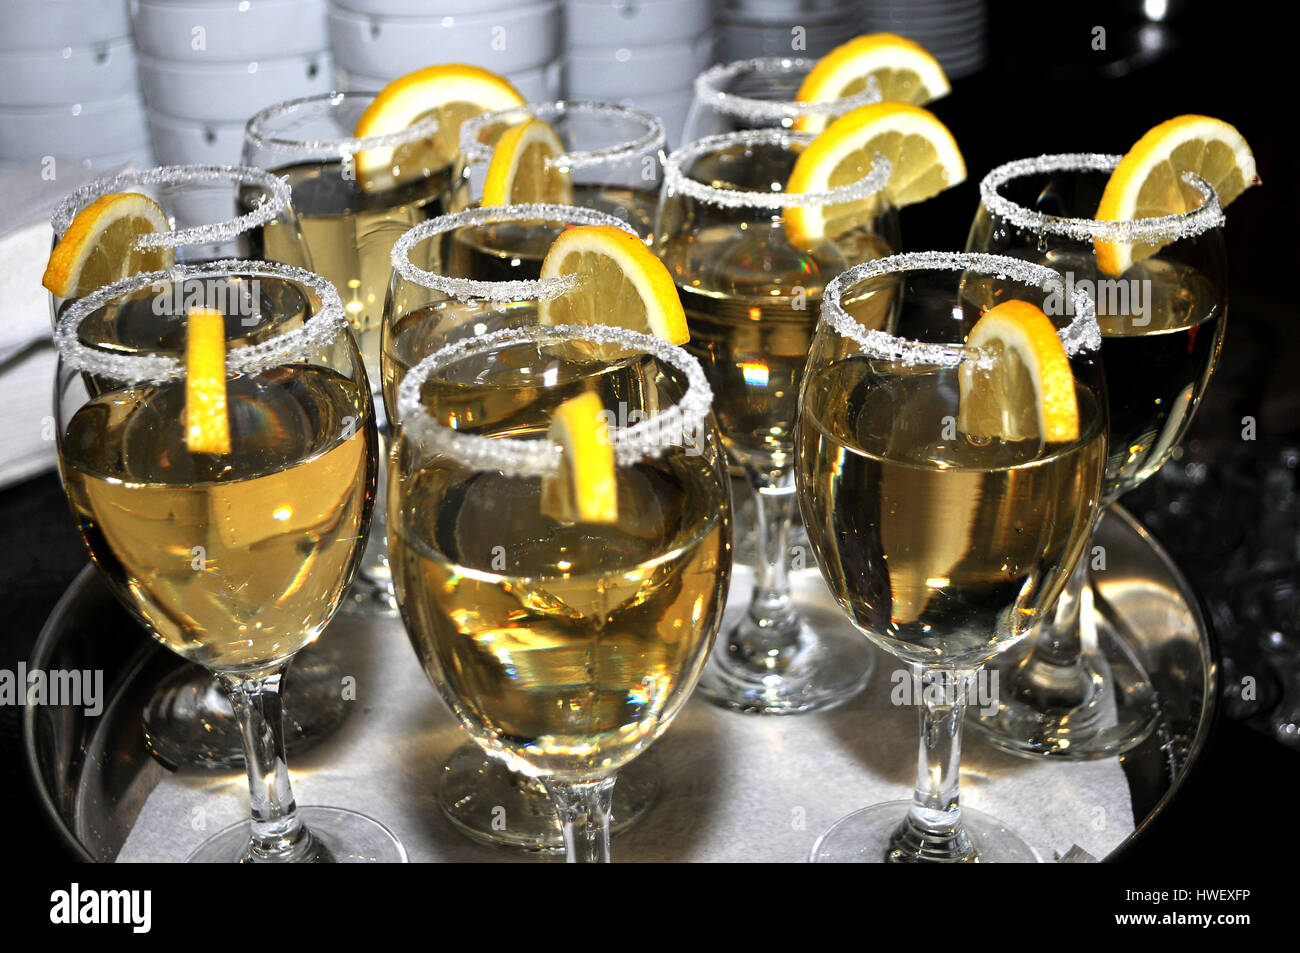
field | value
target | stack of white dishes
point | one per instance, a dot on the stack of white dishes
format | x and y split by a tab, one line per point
68	84
641	53
805	28
375	41
955	31
207	65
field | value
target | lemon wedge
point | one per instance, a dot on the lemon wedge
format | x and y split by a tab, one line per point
207	423
99	246
584	489
1028	391
923	156
624	284
1148	182
519	172
905	72
449	93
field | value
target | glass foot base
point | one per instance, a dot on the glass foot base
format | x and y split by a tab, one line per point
833	662
338	836
1119	714
869	837
188	723
493	805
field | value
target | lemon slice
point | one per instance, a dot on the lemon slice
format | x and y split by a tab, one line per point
519	174
1148	180
99	246
584	488
624	285
905	71
923	156
449	93
207	424
1028	391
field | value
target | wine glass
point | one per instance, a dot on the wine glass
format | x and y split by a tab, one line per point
354	198
216	212
760	94
943	546
211	550
1080	692
564	648
613	156
752	296
478	272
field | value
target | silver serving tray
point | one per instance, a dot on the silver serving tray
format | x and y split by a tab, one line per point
731	782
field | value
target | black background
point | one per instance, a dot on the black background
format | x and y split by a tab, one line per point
1045	90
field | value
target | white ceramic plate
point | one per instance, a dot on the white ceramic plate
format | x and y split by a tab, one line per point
50	77
181	141
197	32
614	23
53	24
504	41
92	127
231	91
535	85
592	73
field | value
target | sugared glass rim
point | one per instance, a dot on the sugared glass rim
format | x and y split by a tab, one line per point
652	140
266	212
645	439
1081	334
710	90
344	145
1162	229
295	344
470	289
676	180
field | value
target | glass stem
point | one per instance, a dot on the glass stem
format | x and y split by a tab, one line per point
584	810
932	831
277	833
1054	677
767	638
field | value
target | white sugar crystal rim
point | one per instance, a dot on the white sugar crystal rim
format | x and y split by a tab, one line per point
677	181
1081	334
709	90
342	146
297	344
469	289
652	140
1165	228
128	181
644	440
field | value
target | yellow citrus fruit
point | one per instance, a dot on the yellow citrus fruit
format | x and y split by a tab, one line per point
1148	182
624	284
207	423
905	72
923	156
1027	391
585	488
519	173
449	93
99	246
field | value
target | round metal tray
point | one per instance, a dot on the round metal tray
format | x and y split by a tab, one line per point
736	787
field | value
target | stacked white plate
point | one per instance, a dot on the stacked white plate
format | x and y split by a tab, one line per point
955	31
207	65
68	85
375	41
810	28
642	53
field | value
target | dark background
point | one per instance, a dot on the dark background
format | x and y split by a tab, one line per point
1045	90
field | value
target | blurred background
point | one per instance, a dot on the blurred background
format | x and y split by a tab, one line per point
91	85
